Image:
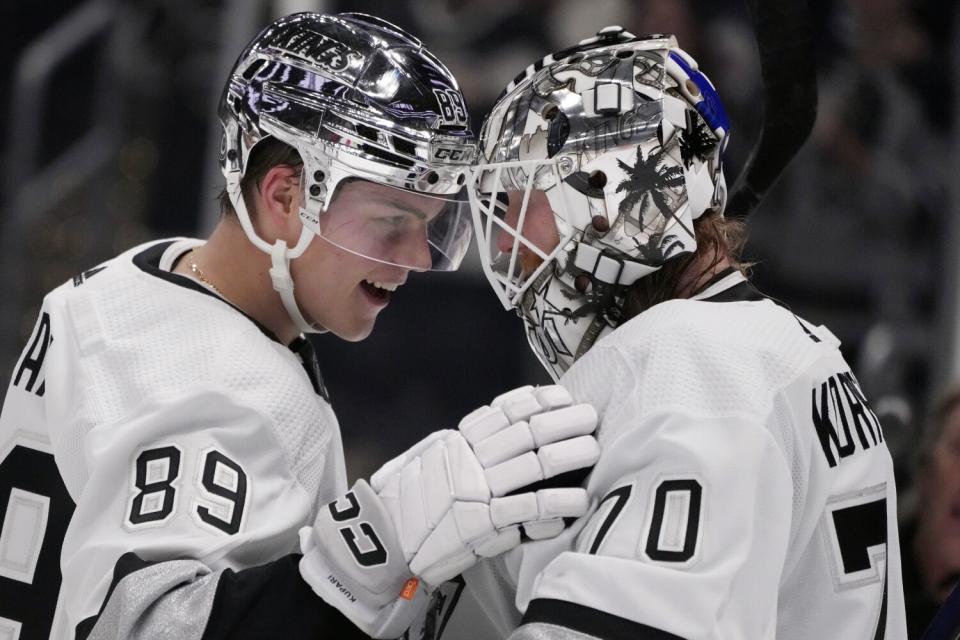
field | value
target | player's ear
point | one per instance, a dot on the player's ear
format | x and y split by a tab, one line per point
279	198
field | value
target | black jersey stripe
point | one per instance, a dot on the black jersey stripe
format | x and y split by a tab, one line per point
127	564
266	601
591	621
273	601
148	261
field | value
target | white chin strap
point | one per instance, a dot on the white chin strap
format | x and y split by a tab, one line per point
280	257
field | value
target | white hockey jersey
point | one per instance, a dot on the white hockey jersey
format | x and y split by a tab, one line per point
744	490
194	446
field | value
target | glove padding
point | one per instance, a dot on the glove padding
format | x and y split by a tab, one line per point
434	510
529	436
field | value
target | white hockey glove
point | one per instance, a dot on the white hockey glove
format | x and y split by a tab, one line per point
454	497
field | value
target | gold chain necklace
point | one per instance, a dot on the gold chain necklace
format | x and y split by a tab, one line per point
196	270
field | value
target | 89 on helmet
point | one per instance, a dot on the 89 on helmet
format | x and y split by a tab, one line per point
359	99
620	139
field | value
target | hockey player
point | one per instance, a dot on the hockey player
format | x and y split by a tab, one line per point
185	412
744	488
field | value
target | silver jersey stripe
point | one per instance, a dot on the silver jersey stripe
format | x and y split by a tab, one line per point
544	631
166	600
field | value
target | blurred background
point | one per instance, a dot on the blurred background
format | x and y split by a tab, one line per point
109	139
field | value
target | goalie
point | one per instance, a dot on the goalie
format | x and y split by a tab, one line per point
744	489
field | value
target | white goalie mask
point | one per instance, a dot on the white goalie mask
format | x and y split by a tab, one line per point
617	143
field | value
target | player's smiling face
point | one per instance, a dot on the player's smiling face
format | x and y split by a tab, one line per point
339	284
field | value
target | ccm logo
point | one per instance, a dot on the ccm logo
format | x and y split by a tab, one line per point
454	155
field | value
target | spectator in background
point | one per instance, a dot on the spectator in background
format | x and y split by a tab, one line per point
932	570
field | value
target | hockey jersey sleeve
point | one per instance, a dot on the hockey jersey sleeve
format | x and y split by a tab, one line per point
34	502
186	527
691	529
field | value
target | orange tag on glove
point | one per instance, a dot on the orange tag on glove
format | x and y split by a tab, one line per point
410	589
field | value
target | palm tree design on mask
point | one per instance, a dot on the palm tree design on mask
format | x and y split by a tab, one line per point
658	249
645	185
697	141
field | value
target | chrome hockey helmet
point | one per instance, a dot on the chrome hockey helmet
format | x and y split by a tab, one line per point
621	137
358	98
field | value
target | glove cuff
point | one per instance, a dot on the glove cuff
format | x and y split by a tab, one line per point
353	560
390	621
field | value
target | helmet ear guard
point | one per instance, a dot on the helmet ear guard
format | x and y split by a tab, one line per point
629	135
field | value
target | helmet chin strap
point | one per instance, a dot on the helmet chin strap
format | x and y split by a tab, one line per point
280	257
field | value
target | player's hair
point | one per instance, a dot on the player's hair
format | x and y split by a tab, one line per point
717	238
911	499
936	424
268	154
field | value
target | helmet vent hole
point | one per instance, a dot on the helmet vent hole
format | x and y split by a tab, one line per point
404	146
582	283
432	177
600	223
461	179
597	180
370	133
315	191
252	70
624	54
319	176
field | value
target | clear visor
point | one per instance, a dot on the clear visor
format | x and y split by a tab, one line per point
516	208
412	230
